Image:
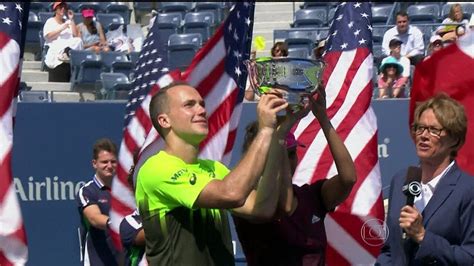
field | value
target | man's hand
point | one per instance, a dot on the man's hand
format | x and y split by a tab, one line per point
412	222
269	105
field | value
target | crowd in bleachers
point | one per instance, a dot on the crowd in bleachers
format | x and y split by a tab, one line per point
403	35
111	39
95	45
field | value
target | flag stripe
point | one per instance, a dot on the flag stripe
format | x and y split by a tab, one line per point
13	244
5	170
313	133
348	86
344	242
209	82
345	127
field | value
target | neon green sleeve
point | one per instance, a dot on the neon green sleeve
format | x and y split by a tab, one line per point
177	184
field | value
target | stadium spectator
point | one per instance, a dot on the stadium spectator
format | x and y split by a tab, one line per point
393	75
182	199
296	234
119	41
438	227
93	201
60	35
448	32
279	49
412	39
436	44
92	33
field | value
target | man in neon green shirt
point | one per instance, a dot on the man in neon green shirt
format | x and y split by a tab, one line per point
182	199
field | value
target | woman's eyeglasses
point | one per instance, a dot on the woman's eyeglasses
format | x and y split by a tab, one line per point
434	131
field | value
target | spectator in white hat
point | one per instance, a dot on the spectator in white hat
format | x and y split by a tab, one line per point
436	44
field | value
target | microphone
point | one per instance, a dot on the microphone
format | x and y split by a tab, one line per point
412	187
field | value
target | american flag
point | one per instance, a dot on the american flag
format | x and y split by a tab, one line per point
348	81
13	246
217	72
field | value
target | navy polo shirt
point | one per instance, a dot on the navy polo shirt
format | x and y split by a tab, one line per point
129	228
98	245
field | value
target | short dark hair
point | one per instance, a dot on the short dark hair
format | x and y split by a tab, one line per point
402	13
103	144
159	104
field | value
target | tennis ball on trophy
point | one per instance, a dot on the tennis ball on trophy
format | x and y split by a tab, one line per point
259	43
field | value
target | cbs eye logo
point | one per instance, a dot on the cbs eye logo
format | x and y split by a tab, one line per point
374	232
414	188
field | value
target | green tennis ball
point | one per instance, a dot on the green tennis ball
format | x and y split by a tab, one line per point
259	43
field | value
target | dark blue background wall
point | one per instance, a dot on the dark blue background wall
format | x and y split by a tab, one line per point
52	157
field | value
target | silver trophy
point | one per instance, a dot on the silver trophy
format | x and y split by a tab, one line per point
295	78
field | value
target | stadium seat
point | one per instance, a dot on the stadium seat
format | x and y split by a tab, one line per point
298	52
182	48
317	4
134	57
36	7
377	53
43	16
377	34
214	7
78	18
377	3
322	34
110	21
427	32
199	22
115	86
423	13
31	40
166	25
90	5
310	18
74	6
331	13
301	39
116	62
142	9
120	9
34	96
381	13
86	67
181	7
467	10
